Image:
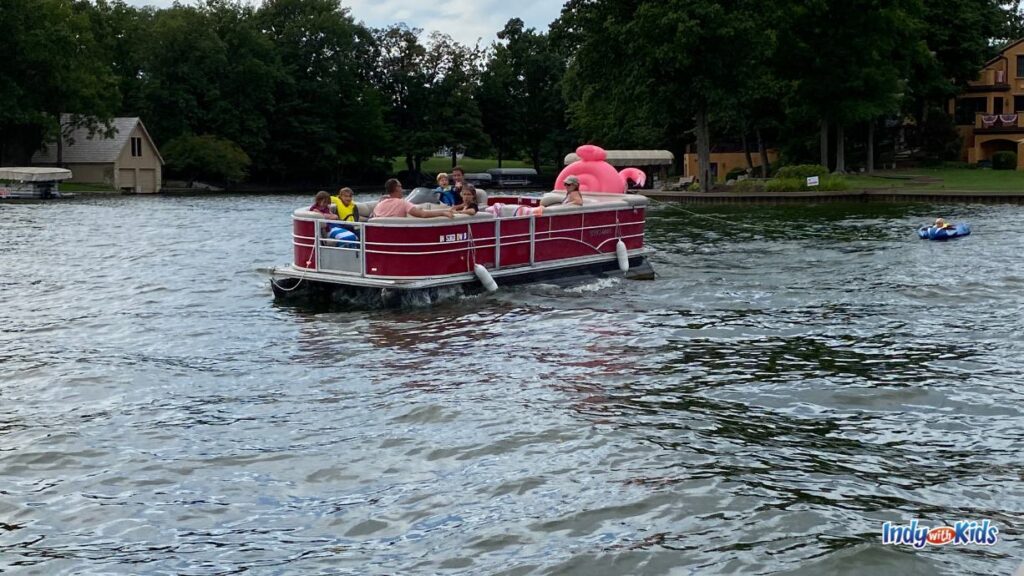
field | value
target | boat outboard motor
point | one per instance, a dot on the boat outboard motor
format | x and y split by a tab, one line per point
422	195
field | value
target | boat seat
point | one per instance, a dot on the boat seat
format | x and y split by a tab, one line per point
304	213
432	206
507	210
569	208
459	219
439	206
556	198
552	198
366	208
426	196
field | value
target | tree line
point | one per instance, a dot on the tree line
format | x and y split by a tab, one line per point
297	90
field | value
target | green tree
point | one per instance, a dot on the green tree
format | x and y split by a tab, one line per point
847	60
328	119
526	78
122	34
51	65
453	72
207	157
181	73
399	75
959	36
245	103
431	91
695	60
754	107
499	108
605	92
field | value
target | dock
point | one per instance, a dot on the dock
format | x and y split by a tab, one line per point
31	182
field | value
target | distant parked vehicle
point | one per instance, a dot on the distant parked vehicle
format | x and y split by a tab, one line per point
513	177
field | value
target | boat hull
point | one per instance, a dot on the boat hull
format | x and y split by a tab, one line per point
292	286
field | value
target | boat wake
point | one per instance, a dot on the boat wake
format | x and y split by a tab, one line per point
596	285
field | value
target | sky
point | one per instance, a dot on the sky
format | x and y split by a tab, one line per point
464	20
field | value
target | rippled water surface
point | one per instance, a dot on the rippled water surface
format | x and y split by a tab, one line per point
782	389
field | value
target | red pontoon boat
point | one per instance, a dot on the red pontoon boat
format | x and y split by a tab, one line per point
399	254
391	256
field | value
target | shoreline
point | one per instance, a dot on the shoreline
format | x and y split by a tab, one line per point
868	194
683	197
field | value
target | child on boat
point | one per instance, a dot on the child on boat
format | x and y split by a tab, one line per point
322	204
341	235
446	193
344	206
468	205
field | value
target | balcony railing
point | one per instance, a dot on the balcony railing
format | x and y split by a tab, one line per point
999	122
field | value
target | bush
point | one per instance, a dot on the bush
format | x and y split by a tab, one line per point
747	185
1004	160
825	184
784	185
206	157
802	171
735	173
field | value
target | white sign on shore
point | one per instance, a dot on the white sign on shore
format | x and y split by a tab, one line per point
812	181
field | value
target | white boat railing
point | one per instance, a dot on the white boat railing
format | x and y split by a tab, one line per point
342	252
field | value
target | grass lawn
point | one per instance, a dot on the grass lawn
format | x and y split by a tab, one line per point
435	165
85	187
942	179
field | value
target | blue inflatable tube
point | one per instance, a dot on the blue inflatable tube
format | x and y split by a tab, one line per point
935	233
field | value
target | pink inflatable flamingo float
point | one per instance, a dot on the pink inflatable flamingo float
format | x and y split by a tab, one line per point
596	175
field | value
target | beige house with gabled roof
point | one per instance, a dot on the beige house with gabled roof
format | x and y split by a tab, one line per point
129	161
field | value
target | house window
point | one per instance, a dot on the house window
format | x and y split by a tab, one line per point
1018	103
136	147
1020	66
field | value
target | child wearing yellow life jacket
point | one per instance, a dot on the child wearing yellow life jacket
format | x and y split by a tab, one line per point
344	206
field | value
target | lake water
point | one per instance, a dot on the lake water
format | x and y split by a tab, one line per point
794	377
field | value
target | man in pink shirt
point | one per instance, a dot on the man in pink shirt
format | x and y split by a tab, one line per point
394	205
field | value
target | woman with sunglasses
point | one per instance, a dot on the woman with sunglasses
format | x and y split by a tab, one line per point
572	191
